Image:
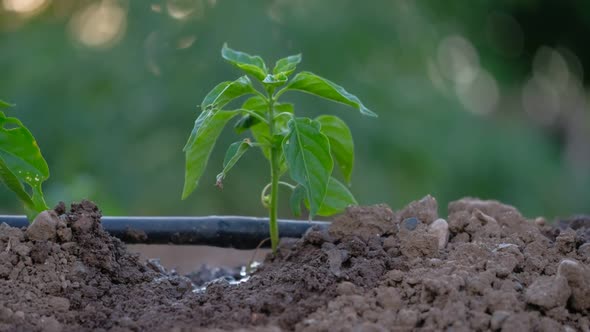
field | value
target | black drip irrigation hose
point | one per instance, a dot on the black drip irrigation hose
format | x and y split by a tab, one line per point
219	231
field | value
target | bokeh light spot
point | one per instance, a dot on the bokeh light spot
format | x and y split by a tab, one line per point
186	42
184	9
482	95
457	60
550	68
100	25
156	8
25	7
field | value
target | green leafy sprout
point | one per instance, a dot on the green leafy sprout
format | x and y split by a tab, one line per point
21	163
305	148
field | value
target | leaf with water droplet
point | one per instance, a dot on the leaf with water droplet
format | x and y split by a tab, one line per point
21	161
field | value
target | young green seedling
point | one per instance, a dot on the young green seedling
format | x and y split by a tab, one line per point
21	162
306	148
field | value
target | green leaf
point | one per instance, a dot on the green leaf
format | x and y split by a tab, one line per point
225	92
259	129
275	80
307	152
245	123
316	85
198	123
338	198
341	144
297	197
14	184
4	104
256	104
207	128
284	108
22	162
253	65
234	153
287	65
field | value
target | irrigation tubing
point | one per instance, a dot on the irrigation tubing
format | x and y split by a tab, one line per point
219	231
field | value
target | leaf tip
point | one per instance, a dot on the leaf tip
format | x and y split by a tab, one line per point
4	104
188	189
369	113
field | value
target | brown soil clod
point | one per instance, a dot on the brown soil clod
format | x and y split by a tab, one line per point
486	269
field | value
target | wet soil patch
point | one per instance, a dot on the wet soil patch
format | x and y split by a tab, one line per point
484	267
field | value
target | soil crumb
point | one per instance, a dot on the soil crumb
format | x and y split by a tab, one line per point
483	268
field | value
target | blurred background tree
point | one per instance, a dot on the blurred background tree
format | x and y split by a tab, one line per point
485	98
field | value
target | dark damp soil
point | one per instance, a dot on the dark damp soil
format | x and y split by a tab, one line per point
483	268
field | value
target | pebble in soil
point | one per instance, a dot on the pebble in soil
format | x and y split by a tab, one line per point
484	267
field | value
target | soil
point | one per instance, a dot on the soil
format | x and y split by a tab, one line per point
484	268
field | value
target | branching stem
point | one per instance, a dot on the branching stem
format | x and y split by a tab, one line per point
254	114
283	114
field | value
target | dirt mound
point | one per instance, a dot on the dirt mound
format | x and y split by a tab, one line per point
66	273
485	267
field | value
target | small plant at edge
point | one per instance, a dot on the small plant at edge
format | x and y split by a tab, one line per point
306	148
21	163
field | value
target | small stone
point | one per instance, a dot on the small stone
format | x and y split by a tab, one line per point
59	303
346	288
577	277
316	235
335	259
83	224
547	324
480	321
584	250
440	228
502	300
498	317
540	221
19	314
389	298
484	217
5	313
566	241
548	292
426	210
69	246
521	321
50	324
395	275
64	234
22	249
40	252
407	318
503	214
410	223
44	227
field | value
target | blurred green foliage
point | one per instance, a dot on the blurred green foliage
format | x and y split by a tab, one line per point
109	89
